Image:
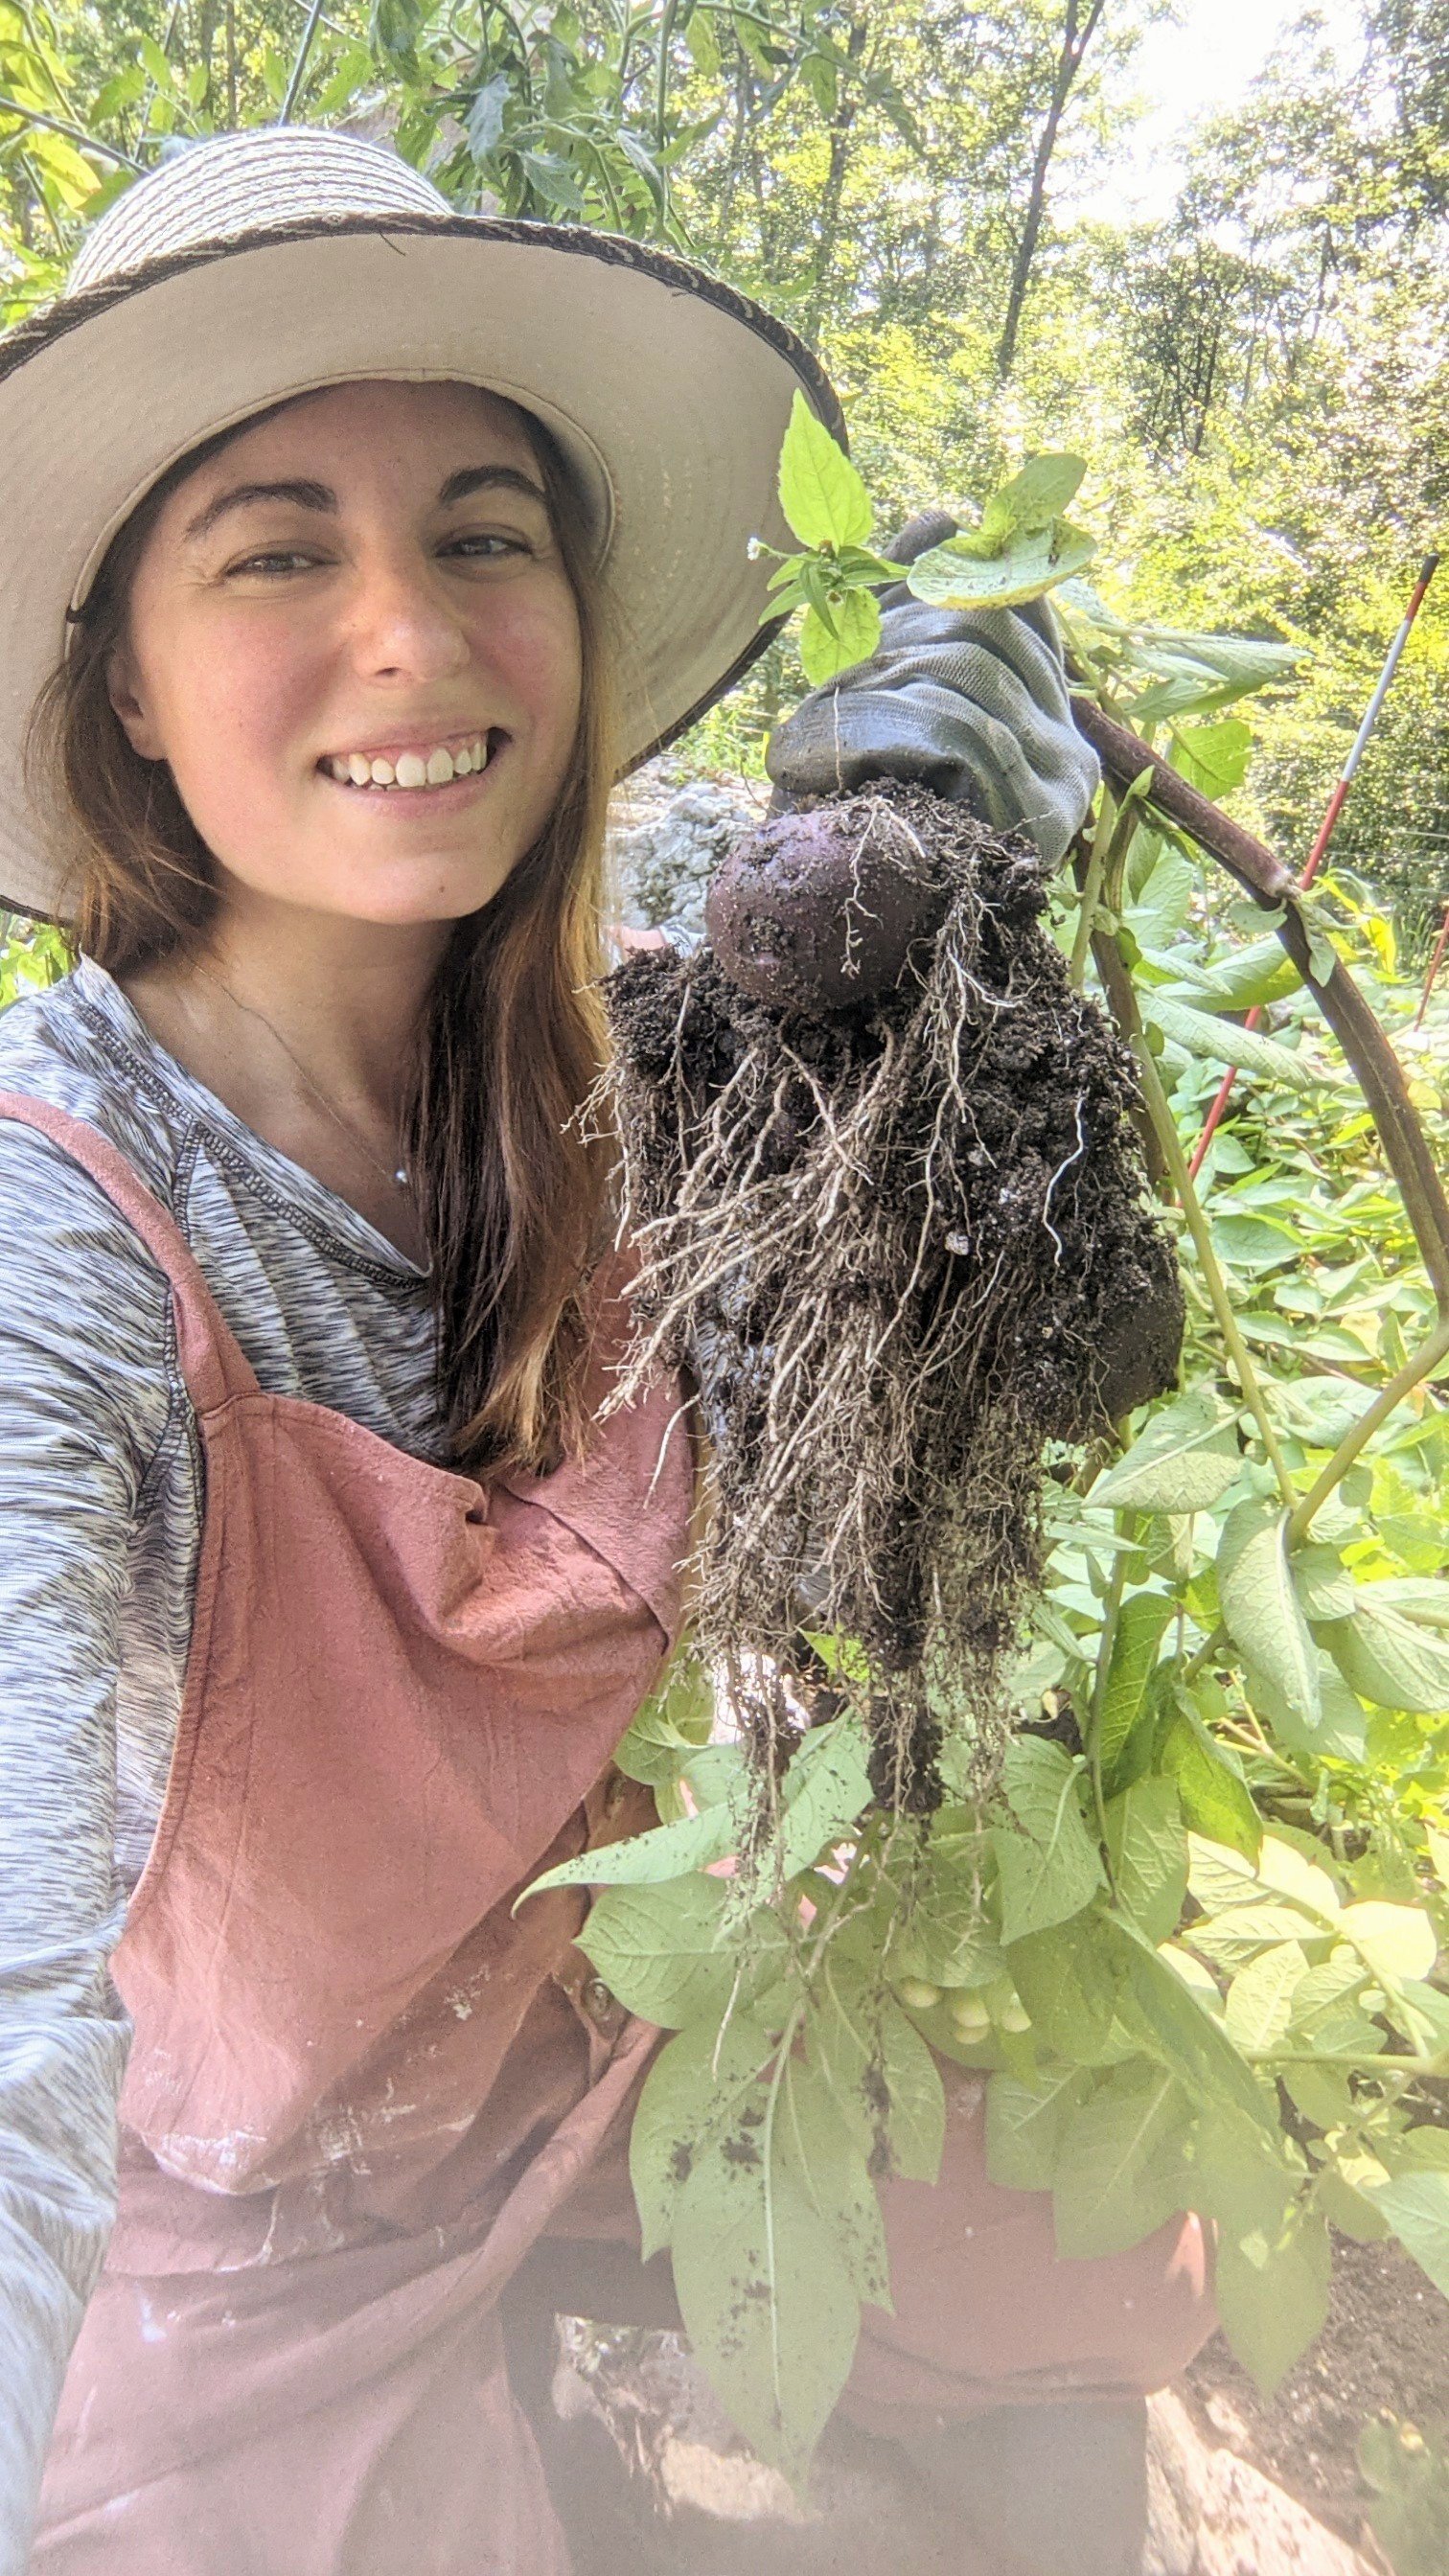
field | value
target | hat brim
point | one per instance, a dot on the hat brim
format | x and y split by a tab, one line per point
667	390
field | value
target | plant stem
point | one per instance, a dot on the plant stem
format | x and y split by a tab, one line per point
1121	996
1217	1286
32	175
1091	888
300	65
1417	2069
1111	841
661	84
1371	1058
72	133
1116	1584
1420	1365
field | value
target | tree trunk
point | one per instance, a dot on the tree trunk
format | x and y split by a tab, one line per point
827	231
1077	34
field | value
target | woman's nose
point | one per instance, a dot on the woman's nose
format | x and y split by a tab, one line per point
402	622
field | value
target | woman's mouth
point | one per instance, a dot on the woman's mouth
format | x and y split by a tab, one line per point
423	770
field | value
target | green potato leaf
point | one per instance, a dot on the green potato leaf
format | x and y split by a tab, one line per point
650	1859
1261	1608
955	575
821	493
817	2153
1272	2294
1048	1864
1227	1042
673	1723
1025	2124
1214	1797
1187	2035
1147	1846
1128	1691
1120	2169
1398	1941
826	1787
1183	1460
1328	2019
665	1953
696	2087
881	2076
765	2295
1260	1998
1389	1658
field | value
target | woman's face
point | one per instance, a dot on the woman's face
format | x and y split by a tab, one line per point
363	583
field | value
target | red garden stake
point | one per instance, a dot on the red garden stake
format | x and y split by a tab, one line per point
1315	857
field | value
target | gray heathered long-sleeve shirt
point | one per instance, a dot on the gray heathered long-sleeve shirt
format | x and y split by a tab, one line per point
100	1518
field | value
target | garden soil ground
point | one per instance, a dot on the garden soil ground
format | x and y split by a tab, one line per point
1386	2344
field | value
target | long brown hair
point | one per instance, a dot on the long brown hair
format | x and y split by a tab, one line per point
512	1196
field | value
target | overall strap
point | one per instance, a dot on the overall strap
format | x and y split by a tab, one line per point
211	1358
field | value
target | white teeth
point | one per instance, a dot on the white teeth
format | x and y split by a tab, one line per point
411	770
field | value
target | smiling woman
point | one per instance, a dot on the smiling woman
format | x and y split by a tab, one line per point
325	1597
373	573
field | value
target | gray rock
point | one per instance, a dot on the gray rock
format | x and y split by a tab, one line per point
667	837
1214	2514
695	2501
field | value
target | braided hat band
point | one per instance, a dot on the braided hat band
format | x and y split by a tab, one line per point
258	266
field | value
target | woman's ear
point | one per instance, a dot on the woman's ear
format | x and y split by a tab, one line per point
124	691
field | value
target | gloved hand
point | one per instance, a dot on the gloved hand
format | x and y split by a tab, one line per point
970	702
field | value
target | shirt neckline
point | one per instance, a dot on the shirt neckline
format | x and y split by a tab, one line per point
309	1196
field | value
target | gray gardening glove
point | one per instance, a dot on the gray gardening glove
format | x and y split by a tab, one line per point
970	702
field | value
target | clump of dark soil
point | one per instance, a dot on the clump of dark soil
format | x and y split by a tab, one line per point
903	1246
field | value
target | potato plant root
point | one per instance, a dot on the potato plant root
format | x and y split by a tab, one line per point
902	1247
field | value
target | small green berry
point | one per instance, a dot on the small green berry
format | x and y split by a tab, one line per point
916	1995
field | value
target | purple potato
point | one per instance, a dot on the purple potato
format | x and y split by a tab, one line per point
824	909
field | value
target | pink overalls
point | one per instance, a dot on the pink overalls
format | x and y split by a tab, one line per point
360	2091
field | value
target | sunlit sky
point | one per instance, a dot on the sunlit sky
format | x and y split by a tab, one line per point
1205	63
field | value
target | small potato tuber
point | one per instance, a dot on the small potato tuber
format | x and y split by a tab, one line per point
823	909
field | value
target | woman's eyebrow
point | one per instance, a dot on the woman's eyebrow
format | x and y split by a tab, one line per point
307	495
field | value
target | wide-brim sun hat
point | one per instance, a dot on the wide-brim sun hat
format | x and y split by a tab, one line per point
255	266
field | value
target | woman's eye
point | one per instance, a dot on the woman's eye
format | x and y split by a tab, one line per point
496	546
269	563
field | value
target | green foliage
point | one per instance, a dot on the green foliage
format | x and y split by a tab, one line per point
1021	548
32	955
1410	2480
1192	1936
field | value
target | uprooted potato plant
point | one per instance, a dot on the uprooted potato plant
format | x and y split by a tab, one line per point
902	1242
1133	1794
1188	1941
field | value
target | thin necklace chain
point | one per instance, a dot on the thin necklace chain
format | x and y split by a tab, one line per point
398	1178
